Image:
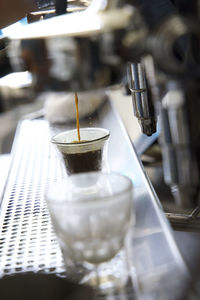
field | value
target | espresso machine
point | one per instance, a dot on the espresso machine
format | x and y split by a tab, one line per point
151	47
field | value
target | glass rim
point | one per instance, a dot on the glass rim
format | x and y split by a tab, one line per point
106	136
93	201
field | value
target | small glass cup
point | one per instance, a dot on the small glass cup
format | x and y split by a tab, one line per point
92	214
87	155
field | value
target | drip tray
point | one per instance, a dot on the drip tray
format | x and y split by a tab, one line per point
27	240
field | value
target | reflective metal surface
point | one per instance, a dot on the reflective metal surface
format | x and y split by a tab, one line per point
179	153
27	238
119	32
142	102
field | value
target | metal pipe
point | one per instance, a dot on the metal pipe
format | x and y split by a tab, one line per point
142	104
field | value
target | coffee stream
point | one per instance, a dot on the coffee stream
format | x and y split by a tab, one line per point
82	162
77	117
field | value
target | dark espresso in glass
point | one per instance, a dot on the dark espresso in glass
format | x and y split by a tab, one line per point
85	156
83	162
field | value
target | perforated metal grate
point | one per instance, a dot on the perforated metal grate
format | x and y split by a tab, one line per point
27	240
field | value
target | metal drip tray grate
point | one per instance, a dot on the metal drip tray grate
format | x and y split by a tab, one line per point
27	240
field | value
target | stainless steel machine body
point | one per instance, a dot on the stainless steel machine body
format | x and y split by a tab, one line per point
28	242
106	36
101	40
